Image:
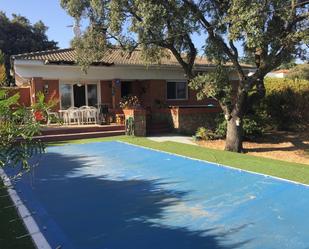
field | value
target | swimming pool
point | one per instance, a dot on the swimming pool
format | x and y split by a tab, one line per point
113	195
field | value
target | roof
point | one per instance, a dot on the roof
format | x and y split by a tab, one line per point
111	56
284	71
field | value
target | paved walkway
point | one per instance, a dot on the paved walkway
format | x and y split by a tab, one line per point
173	138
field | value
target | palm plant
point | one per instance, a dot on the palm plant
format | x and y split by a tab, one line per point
17	128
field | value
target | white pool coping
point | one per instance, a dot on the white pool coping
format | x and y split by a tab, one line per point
33	229
220	165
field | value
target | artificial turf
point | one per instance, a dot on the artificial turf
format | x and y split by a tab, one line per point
291	171
11	226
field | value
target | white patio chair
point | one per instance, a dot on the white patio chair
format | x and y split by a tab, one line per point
73	115
50	115
92	115
83	113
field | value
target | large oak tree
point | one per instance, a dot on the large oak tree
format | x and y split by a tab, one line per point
270	31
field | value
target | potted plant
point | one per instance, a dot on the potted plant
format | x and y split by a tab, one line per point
129	104
135	116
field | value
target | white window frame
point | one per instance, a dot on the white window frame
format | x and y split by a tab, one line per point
72	83
177	81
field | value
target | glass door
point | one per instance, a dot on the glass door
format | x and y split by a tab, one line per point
92	95
66	99
78	95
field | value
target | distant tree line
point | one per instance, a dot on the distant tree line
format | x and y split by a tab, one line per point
18	35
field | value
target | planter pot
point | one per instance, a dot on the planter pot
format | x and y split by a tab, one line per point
138	117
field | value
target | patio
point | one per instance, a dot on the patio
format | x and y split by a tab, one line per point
84	115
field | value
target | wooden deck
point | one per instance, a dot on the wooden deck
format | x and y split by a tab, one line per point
62	133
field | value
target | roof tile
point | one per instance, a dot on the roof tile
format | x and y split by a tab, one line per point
111	56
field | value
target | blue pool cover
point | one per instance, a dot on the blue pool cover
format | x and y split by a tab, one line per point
113	195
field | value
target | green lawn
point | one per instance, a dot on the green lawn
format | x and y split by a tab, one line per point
291	171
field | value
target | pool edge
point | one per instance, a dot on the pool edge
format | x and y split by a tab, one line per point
219	165
31	226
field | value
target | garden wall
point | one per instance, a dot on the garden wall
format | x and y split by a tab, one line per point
186	120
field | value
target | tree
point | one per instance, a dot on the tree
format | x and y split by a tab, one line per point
17	128
18	35
300	71
272	31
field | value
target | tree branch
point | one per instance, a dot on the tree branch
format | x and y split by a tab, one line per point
215	37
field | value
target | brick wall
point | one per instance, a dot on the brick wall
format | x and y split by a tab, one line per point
24	94
186	120
153	94
53	91
50	88
106	92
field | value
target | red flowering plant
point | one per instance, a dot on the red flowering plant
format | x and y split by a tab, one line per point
129	102
38	115
41	107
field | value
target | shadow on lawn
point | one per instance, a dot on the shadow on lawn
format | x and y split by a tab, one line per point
98	212
298	141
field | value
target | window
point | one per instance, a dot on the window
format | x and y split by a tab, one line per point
176	90
92	95
66	95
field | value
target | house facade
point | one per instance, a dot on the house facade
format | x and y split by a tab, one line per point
161	88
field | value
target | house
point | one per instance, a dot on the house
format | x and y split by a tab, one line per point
161	87
282	73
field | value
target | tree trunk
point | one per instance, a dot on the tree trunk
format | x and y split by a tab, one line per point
234	134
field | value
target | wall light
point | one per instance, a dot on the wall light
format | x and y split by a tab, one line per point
45	89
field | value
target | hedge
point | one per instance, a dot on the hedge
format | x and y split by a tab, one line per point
287	103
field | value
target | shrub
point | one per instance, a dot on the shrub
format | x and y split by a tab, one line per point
278	85
221	126
253	126
203	133
286	103
41	107
129	102
300	71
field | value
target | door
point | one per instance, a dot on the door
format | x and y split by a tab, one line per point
79	95
126	88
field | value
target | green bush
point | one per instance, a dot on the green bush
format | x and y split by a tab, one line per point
300	71
203	133
252	127
286	103
278	85
221	127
